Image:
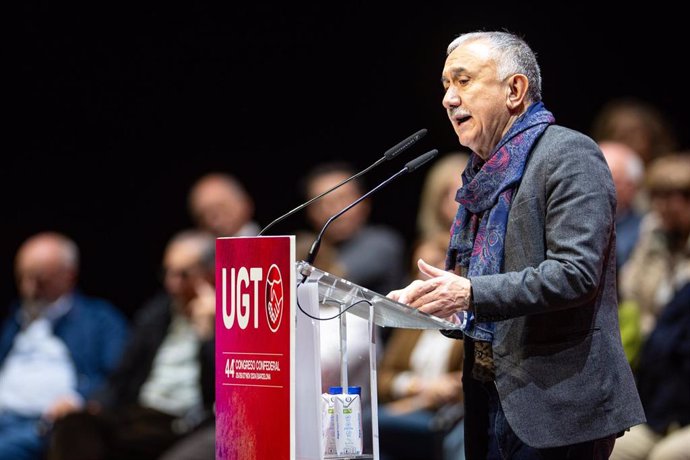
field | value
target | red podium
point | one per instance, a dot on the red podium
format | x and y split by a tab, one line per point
268	375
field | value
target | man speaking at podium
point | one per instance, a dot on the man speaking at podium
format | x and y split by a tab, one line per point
530	269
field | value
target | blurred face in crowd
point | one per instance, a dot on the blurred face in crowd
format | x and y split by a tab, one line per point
673	206
669	189
620	158
220	206
182	270
320	211
475	99
44	269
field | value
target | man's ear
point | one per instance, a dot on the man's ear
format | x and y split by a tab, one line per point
517	90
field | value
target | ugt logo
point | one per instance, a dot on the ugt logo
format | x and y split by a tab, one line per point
274	297
244	297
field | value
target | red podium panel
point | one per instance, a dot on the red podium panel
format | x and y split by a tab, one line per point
255	348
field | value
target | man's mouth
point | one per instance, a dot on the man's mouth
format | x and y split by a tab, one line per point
460	120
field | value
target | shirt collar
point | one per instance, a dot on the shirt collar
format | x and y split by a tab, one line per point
52	312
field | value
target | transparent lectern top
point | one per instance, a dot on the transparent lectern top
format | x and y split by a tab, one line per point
337	291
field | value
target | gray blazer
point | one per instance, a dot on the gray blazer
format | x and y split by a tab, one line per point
561	373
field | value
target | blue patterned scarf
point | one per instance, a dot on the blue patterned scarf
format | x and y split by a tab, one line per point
478	233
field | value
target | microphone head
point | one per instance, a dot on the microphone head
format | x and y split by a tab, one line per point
404	144
420	160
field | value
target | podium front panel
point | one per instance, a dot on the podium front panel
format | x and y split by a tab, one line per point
255	346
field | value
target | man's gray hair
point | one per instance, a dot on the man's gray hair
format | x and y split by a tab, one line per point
511	54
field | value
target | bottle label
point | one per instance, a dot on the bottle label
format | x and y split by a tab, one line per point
328	423
348	424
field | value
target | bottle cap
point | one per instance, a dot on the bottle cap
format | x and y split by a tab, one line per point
354	390
335	390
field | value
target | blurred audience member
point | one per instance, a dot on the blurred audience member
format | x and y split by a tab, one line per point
56	347
420	384
371	256
368	255
660	263
164	386
437	206
663	381
220	204
627	170
637	124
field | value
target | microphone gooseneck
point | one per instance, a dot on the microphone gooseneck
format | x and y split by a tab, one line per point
409	167
388	155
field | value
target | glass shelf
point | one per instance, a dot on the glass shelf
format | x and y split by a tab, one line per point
337	291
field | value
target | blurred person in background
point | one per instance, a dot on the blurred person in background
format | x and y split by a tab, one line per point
627	171
660	262
369	255
437	205
420	383
56	347
220	204
352	248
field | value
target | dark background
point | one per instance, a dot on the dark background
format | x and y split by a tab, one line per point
113	110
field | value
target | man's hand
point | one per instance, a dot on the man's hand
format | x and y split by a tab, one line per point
203	310
61	407
443	294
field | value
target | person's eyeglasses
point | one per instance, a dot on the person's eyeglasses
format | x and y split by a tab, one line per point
184	273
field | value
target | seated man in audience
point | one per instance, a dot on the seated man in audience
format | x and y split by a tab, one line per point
164	386
56	347
627	171
660	262
220	204
372	256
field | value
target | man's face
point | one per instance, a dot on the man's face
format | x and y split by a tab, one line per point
219	208
318	213
475	99
42	273
617	157
673	206
182	271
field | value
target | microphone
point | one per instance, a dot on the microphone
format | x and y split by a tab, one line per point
410	166
388	155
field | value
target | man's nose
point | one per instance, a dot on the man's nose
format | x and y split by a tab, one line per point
451	98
